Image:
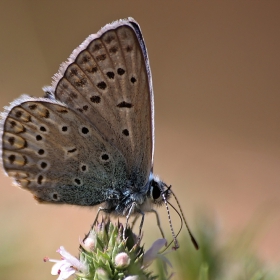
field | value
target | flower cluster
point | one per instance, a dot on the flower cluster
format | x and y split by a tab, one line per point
105	255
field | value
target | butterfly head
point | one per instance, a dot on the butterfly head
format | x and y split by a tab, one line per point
158	192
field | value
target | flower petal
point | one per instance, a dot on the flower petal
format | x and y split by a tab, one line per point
165	260
67	273
72	260
151	254
57	267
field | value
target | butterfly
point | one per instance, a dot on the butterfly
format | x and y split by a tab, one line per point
90	140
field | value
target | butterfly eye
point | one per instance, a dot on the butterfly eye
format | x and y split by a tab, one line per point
155	190
156	193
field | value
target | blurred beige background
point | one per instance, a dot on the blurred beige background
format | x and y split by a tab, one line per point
215	67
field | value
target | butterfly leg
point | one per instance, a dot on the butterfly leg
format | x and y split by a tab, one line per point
99	210
141	223
158	222
134	221
131	210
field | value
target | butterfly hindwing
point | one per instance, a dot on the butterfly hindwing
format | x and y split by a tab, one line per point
58	156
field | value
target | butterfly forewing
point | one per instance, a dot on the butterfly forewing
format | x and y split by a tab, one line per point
107	81
46	149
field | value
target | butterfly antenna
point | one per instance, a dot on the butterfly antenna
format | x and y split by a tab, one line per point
181	220
185	221
167	246
176	244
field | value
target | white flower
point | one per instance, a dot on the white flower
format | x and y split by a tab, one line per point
67	266
153	253
64	269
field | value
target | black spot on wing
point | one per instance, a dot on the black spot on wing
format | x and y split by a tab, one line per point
124	104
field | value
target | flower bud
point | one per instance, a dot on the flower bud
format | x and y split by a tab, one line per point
122	260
